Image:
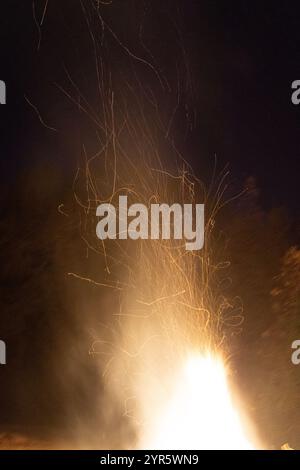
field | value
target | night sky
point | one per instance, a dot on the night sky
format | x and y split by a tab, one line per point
243	55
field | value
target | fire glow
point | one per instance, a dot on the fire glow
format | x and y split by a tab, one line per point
162	353
200	413
164	361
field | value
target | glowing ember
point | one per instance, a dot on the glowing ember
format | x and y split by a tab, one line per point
200	414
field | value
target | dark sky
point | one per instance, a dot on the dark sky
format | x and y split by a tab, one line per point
244	56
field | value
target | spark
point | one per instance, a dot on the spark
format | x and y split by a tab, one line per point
159	354
39	115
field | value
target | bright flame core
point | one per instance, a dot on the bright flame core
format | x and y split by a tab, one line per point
200	413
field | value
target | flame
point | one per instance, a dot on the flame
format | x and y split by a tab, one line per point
200	413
